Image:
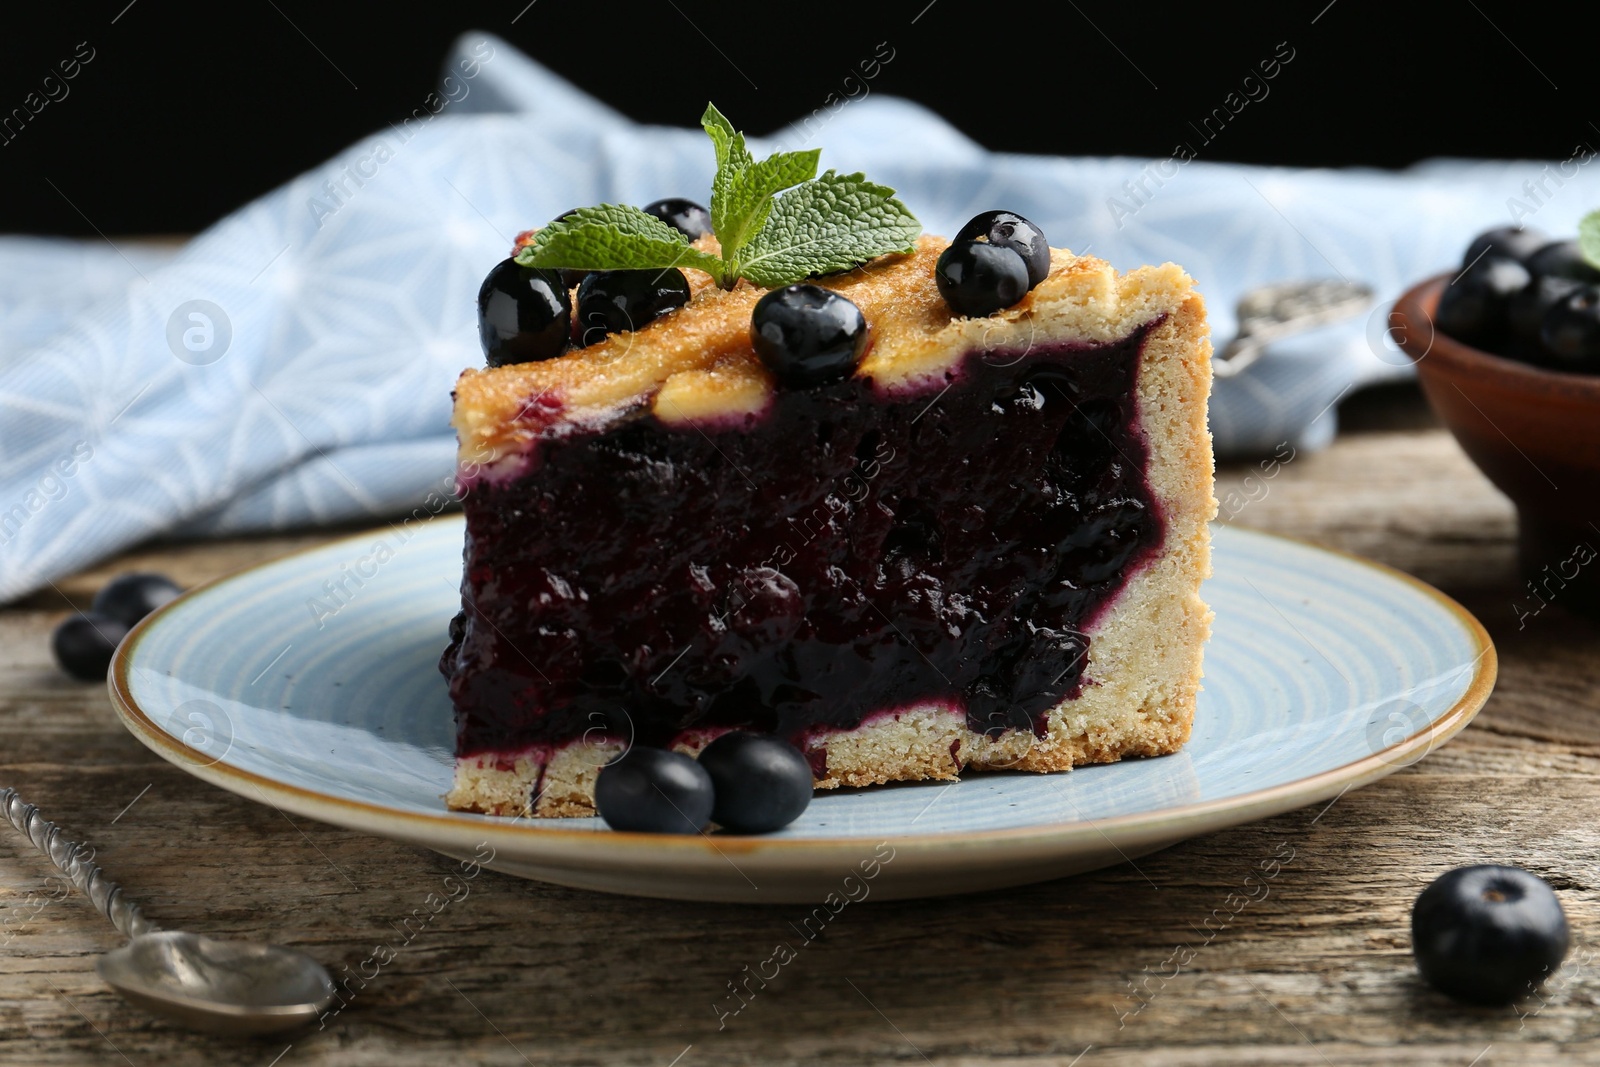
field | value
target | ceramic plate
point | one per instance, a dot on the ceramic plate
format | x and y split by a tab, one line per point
311	684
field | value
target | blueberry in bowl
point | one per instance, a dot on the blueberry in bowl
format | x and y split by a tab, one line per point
1476	306
1514	372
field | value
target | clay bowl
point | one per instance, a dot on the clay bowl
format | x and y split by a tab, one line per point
1534	432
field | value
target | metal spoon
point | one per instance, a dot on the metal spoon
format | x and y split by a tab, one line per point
220	987
1270	313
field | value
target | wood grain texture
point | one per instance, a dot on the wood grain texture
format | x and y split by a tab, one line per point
1154	963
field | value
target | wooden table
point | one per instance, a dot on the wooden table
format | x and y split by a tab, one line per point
520	973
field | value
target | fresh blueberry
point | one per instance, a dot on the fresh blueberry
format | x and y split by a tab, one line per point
977	278
654	791
1007	229
130	597
1473	307
1571	330
807	335
1562	259
83	644
614	301
685	216
524	315
1508	242
762	782
1526	311
1488	934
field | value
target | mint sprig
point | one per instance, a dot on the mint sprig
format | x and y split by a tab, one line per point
1589	238
820	225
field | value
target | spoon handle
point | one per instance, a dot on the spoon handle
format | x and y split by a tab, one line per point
75	862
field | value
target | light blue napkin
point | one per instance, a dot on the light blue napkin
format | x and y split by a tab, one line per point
292	364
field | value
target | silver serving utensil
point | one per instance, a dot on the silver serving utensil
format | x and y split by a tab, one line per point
220	987
1270	313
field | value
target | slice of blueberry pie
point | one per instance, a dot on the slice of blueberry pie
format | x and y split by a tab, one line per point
913	506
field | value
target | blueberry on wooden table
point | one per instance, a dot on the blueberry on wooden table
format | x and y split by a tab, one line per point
762	782
1488	934
128	598
84	642
652	790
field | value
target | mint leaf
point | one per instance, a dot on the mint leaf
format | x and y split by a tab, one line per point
749	200
830	224
742	191
1589	238
614	237
733	159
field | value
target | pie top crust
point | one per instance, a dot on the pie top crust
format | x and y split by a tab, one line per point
696	366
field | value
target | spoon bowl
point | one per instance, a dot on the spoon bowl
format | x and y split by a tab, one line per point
220	987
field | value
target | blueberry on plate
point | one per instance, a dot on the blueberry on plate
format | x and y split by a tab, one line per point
524	315
130	597
614	301
977	278
1007	229
1562	259
1571	330
654	791
83	644
1488	934
807	335
762	782
685	216
1508	242
1473	307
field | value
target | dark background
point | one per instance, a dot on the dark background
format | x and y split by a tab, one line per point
188	111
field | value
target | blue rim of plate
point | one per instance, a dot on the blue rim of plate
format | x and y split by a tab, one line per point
1159	823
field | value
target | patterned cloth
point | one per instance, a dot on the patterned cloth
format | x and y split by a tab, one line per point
292	364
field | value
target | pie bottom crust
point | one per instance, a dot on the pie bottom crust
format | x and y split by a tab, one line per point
1144	660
